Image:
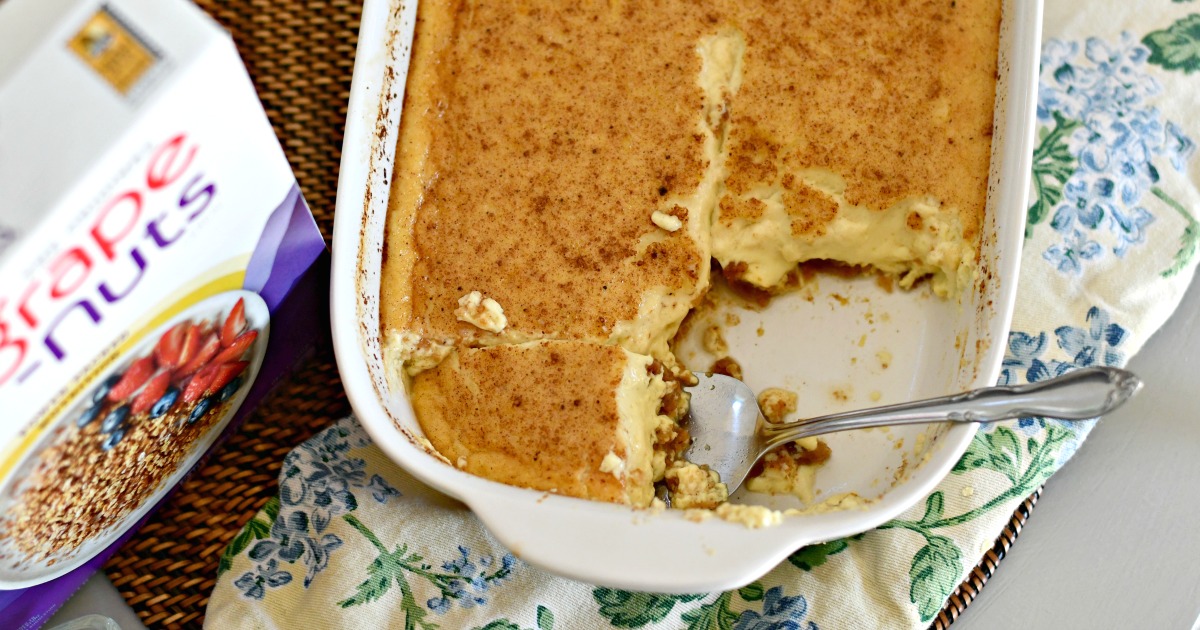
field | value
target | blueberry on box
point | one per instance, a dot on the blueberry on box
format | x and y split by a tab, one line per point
201	408
104	387
115	419
112	439
229	390
165	403
88	415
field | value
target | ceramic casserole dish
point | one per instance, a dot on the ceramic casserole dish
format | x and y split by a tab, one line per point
875	346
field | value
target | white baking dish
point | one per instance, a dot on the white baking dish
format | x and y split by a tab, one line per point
930	346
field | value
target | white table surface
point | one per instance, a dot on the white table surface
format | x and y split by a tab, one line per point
1114	541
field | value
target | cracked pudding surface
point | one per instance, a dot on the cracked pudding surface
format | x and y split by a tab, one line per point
508	182
860	133
580	166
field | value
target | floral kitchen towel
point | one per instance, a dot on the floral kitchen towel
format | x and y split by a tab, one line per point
353	541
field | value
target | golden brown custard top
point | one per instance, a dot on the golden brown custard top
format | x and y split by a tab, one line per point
895	97
548	149
537	142
485	409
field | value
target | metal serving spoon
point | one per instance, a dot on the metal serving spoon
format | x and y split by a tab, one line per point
729	434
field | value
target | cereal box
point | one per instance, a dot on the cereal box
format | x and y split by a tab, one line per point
158	270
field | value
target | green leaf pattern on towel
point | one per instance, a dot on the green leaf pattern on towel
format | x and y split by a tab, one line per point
1176	47
1053	165
1025	464
256	529
1189	241
627	609
714	615
935	572
545	621
813	556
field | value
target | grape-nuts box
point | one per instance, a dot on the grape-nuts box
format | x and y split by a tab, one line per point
156	259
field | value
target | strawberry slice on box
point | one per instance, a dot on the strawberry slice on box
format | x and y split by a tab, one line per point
211	379
237	348
235	323
208	349
191	344
199	383
138	373
152	392
225	373
170	346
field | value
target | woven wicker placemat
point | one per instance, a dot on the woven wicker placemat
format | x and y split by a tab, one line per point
300	54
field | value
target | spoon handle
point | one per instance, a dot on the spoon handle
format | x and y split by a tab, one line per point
1077	395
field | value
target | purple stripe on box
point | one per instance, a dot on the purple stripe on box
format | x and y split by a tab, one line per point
285	249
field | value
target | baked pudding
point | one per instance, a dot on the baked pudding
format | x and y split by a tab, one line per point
567	175
571	417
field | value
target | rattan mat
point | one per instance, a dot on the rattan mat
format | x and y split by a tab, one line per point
301	56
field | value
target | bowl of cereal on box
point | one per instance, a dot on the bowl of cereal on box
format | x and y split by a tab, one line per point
132	429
